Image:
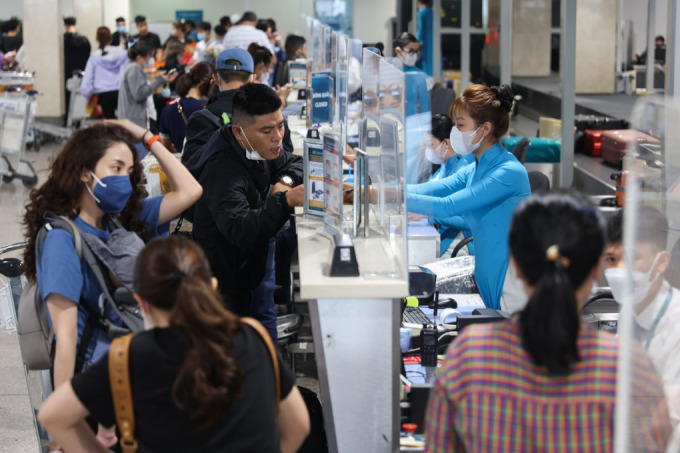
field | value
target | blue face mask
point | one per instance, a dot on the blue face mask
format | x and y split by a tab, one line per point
111	193
201	36
121	29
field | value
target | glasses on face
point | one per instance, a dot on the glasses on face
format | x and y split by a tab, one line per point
411	51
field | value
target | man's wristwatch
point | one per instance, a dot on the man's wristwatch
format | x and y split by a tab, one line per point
286	180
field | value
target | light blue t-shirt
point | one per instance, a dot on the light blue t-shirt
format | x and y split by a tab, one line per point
60	272
485	195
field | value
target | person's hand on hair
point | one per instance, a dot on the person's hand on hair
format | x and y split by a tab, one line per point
137	131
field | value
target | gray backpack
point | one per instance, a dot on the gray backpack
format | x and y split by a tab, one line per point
36	335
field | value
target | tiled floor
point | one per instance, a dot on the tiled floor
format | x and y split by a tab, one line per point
17	434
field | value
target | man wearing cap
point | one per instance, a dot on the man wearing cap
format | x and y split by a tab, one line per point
233	69
244	33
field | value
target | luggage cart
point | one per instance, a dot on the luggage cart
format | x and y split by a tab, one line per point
39	383
15	118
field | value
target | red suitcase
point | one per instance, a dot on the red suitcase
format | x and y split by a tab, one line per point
592	142
615	143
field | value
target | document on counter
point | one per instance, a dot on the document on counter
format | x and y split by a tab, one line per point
464	300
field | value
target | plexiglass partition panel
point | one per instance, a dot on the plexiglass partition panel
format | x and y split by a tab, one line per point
354	92
341	66
648	393
418	128
388	213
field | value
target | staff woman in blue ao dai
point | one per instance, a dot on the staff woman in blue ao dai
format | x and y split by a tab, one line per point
486	193
441	153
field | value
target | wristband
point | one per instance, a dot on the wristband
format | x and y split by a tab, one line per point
151	141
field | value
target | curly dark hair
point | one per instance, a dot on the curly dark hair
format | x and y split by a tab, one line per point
62	190
173	274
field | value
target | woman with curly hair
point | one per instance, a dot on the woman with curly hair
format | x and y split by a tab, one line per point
98	172
200	379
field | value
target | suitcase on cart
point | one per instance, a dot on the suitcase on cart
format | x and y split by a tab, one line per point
592	140
616	143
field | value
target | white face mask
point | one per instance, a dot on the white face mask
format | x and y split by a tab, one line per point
641	283
434	155
461	142
150	63
407	58
252	154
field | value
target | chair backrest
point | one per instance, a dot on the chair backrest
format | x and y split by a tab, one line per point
538	182
521	149
441	99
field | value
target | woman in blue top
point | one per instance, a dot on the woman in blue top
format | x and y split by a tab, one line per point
97	172
484	194
441	153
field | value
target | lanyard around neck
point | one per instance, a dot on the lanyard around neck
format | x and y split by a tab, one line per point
662	312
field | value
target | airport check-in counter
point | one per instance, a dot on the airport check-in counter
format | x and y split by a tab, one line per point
355	324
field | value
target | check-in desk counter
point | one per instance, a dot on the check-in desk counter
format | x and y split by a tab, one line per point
355	324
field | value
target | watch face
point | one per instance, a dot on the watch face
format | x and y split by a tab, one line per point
287	180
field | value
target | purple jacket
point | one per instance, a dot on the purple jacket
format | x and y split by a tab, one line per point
103	73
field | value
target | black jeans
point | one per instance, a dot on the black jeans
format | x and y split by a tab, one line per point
109	102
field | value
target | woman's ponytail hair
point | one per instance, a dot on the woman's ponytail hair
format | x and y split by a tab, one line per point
173	274
104	38
556	239
200	77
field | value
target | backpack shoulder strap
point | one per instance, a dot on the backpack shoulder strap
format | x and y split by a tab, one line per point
181	111
272	352
121	391
62	222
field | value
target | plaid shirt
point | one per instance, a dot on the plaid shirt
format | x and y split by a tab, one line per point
489	396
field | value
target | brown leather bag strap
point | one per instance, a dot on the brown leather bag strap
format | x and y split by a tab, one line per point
272	352
119	377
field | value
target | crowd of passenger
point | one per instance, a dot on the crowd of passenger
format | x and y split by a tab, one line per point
208	105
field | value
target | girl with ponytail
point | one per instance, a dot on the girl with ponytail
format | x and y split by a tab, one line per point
542	380
101	78
201	380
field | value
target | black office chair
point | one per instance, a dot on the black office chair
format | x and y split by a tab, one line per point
538	182
602	302
521	149
460	245
441	99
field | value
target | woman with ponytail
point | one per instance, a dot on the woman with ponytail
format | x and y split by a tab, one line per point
484	194
102	73
200	379
542	380
193	89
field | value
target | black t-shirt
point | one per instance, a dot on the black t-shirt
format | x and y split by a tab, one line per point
10	43
150	38
155	357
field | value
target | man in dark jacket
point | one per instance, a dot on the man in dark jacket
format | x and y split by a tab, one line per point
234	68
76	53
240	212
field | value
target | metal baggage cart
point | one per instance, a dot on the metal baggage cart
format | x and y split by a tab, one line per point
16	113
39	383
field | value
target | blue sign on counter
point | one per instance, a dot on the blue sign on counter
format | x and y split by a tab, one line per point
322	98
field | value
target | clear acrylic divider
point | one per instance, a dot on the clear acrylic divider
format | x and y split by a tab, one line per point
418	128
646	283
